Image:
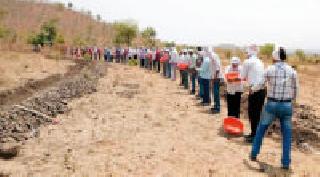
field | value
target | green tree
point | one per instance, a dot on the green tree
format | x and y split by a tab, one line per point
47	34
49	30
267	50
300	54
148	36
125	33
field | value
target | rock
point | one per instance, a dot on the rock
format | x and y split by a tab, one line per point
9	153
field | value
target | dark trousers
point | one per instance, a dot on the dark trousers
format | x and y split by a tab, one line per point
233	101
181	80
216	94
159	65
206	90
141	62
193	82
200	83
168	70
164	68
154	65
255	104
185	79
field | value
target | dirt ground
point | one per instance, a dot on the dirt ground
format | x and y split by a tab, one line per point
309	80
140	124
17	68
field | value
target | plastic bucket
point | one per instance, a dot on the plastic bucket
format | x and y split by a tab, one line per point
232	126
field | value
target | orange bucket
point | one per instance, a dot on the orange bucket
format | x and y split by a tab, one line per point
233	77
183	66
232	126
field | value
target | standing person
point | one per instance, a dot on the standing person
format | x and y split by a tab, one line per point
147	58
216	79
125	55
199	62
173	61
153	59
206	76
181	60
95	52
91	52
253	72
184	72
105	54
157	60
118	55
234	87
165	62
99	53
282	87
168	69
142	57
192	69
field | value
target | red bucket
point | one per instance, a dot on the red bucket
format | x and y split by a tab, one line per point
183	66
163	59
232	126
233	77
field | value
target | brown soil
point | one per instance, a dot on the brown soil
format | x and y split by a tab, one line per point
156	131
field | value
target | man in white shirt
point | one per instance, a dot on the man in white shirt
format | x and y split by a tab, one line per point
174	57
206	76
192	69
234	87
253	73
216	77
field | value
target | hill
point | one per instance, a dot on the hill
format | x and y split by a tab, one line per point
19	19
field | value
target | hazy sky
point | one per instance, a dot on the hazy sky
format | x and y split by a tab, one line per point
292	23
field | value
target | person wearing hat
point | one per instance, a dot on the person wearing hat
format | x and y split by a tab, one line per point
142	56
253	73
174	57
282	81
192	69
234	87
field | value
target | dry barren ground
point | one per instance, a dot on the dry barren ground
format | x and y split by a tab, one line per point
139	124
17	68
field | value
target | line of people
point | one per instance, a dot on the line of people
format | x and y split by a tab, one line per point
278	83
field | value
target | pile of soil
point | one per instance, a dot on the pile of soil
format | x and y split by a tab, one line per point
49	97
306	126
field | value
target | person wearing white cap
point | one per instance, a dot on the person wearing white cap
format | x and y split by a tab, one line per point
174	57
282	81
192	69
253	73
234	87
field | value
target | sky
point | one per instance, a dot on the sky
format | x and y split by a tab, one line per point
289	23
